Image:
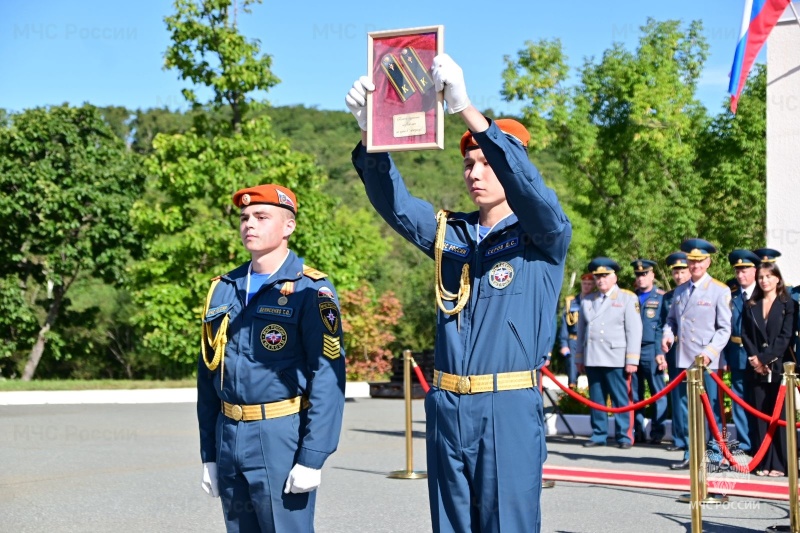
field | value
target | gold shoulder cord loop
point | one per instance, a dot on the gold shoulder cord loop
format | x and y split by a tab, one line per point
572	316
219	341
441	293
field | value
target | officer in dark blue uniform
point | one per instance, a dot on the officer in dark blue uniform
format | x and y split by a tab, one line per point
744	263
569	327
678	264
270	381
652	363
499	272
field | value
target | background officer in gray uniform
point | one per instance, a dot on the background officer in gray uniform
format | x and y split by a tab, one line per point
609	343
744	263
652	363
699	323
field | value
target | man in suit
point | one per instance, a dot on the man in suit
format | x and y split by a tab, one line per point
652	363
679	268
744	263
609	344
699	323
569	327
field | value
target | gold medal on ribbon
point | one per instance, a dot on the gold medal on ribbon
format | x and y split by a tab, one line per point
286	290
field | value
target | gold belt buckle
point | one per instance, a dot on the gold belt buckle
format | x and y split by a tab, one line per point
236	412
463	385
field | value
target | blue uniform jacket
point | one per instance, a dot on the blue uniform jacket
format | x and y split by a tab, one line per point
735	355
275	352
572	307
515	272
651	324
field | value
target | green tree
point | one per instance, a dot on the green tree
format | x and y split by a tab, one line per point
627	135
187	217
66	185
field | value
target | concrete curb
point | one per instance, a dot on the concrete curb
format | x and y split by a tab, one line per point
356	389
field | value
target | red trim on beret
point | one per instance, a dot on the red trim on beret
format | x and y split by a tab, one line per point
587	276
506	125
266	194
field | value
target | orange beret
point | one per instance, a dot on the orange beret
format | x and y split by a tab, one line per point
506	125
266	194
587	276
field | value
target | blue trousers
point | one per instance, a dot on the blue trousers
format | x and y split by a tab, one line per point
648	373
741	419
683	408
253	463
485	456
569	362
680	414
604	382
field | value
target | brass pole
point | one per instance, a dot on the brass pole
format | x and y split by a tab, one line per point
695	460
409	472
700	420
790	380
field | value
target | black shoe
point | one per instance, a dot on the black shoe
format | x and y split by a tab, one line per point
673	448
624	445
592	444
683	465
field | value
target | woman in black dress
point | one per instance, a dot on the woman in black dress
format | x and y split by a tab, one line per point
767	326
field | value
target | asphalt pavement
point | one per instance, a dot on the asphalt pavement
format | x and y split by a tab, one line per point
136	467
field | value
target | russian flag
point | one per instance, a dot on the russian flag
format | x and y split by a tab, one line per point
760	16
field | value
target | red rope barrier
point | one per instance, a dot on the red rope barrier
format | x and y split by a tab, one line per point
773	423
631	407
747	407
420	376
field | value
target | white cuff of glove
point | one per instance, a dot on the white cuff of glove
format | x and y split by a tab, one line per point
356	100
302	479
209	482
448	76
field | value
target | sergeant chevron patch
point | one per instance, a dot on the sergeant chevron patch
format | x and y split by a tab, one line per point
330	347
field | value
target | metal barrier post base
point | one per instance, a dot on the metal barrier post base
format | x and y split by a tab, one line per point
406	474
711	499
548	483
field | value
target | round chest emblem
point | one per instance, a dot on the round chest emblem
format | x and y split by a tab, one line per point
500	275
651	313
273	337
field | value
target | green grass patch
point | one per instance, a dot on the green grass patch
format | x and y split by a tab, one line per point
92	384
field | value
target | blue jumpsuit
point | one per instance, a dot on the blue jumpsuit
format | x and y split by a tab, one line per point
680	431
648	369
280	346
485	450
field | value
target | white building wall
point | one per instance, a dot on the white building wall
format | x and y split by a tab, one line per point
783	144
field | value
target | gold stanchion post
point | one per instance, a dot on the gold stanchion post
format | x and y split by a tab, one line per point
409	472
790	381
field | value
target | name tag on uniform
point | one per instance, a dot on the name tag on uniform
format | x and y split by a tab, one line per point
617	304
456	249
502	247
275	311
704	303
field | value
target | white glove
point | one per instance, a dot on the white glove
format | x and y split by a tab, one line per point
448	75
356	100
302	479
209	482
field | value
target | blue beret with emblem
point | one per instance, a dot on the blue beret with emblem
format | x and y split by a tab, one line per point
743	258
603	265
677	260
697	249
767	255
643	265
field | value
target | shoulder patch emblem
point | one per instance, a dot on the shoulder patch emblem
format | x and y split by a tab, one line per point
330	316
273	337
501	275
325	292
330	347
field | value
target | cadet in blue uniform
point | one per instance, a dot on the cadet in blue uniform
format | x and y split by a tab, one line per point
699	323
678	264
744	263
652	363
569	327
270	381
498	276
609	342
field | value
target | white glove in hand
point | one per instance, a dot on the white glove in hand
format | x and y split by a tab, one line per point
356	100
209	482
302	479
448	75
